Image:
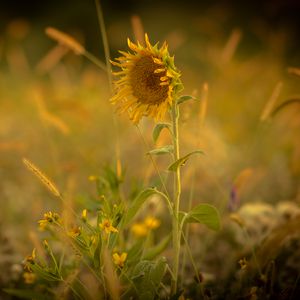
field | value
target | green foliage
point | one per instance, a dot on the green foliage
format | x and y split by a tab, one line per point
181	161
158	128
147	276
97	254
137	204
204	214
162	150
45	273
185	98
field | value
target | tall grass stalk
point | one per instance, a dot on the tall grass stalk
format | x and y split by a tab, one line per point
110	80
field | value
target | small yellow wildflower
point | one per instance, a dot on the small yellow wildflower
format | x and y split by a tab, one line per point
139	229
29	260
84	215
74	232
49	217
151	222
119	260
149	81
107	226
29	277
93	178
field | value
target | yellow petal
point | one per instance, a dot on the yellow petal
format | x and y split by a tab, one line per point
115	63
164	78
123	256
132	46
159	71
124	72
164	83
147	41
157	61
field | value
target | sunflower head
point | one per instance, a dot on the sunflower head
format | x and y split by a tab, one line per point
148	81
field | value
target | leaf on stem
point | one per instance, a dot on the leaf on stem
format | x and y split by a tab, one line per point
158	128
97	254
158	271
181	161
185	98
138	202
162	150
205	214
147	276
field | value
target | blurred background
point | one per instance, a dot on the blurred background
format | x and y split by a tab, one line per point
55	109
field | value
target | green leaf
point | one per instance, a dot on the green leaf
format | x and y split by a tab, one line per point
81	243
157	249
158	128
205	214
185	98
147	276
140	270
137	203
163	150
181	161
158	271
44	273
97	254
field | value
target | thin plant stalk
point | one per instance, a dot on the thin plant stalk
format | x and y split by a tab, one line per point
109	76
105	41
177	193
186	232
93	59
154	164
193	264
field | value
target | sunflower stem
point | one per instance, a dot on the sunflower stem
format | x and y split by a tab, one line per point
177	192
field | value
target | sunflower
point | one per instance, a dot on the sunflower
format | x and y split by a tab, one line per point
149	81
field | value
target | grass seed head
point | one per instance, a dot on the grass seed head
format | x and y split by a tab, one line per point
65	40
42	177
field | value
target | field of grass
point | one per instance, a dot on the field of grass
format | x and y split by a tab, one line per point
78	185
